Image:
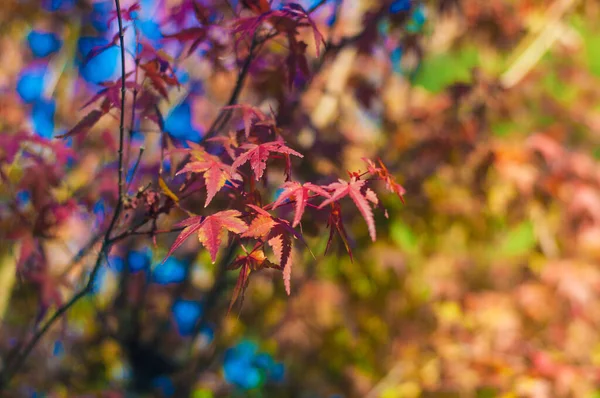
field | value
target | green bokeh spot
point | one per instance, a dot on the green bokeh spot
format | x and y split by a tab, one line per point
441	70
519	241
403	236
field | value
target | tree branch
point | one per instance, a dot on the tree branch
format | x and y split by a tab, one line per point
15	365
224	115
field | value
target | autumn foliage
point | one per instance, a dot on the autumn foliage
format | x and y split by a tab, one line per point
330	198
231	169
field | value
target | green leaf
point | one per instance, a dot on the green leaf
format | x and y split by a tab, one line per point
202	393
439	71
504	128
591	43
519	241
403	236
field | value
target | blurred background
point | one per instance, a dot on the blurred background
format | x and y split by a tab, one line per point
485	283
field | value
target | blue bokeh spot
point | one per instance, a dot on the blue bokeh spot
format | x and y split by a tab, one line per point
31	84
396	59
178	123
186	313
171	271
102	66
58	5
165	385
100	15
150	29
400	6
23	198
247	368
43	44
99	281
139	260
58	350
42	117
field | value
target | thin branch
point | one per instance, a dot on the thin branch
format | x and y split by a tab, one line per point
316	6
84	251
135	80
135	166
224	115
136	57
157	232
542	41
122	117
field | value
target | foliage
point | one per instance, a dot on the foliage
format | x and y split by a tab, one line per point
129	195
148	237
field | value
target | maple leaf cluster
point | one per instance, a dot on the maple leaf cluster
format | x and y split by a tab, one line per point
128	168
247	159
238	162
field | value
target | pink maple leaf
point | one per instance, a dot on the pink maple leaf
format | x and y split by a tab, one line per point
209	230
215	172
352	189
301	193
258	155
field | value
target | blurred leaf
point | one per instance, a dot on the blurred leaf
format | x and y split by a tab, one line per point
202	393
441	70
403	236
519	240
591	42
504	128
559	89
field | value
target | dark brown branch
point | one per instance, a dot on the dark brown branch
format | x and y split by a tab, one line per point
225	114
122	116
135	166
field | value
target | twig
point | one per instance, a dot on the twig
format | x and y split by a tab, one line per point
136	57
122	117
316	6
390	378
135	166
224	115
543	40
83	252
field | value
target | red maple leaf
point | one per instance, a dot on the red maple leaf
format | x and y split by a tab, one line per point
335	223
281	243
297	10
296	59
209	230
260	226
301	194
257	6
115	41
111	92
127	13
286	20
258	155
86	123
278	234
253	261
215	172
160	75
382	172
250	114
352	189
196	35
229	143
